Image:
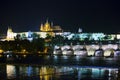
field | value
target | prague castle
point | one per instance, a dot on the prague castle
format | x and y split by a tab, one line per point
49	29
45	29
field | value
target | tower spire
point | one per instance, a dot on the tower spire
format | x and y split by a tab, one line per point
51	24
41	27
47	20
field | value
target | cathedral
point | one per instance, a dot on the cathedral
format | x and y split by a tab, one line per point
49	28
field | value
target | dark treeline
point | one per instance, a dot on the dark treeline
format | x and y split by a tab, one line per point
23	45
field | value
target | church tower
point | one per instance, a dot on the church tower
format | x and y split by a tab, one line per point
49	28
79	30
10	34
46	27
41	27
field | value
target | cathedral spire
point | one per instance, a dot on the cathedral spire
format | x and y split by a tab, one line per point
47	20
52	24
79	30
10	34
41	27
9	29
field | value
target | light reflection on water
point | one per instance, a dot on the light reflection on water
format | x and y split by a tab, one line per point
24	72
11	71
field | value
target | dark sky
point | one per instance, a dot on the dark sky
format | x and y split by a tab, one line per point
90	15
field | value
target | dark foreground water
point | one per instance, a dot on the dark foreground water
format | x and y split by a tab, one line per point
37	72
59	68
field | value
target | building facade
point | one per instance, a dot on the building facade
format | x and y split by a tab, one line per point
45	29
49	29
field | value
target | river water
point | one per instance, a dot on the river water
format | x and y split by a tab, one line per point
49	72
60	68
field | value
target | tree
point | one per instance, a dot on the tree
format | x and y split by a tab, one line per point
23	36
17	37
48	36
38	44
35	36
57	40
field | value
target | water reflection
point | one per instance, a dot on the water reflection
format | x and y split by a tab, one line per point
46	73
37	72
11	71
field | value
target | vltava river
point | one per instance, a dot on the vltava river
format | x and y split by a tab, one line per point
47	72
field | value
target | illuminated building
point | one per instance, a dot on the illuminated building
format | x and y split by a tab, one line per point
90	50
10	34
49	29
45	29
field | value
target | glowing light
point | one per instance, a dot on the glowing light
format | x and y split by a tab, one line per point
67	52
80	53
11	71
107	52
91	52
0	55
1	51
24	55
23	50
118	36
45	50
46	73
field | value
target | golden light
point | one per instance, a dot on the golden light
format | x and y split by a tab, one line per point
1	51
24	55
39	52
46	50
10	70
107	53
46	73
24	51
91	52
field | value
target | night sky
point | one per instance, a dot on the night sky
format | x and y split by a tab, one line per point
90	15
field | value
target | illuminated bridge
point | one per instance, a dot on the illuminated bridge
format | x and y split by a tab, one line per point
88	50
